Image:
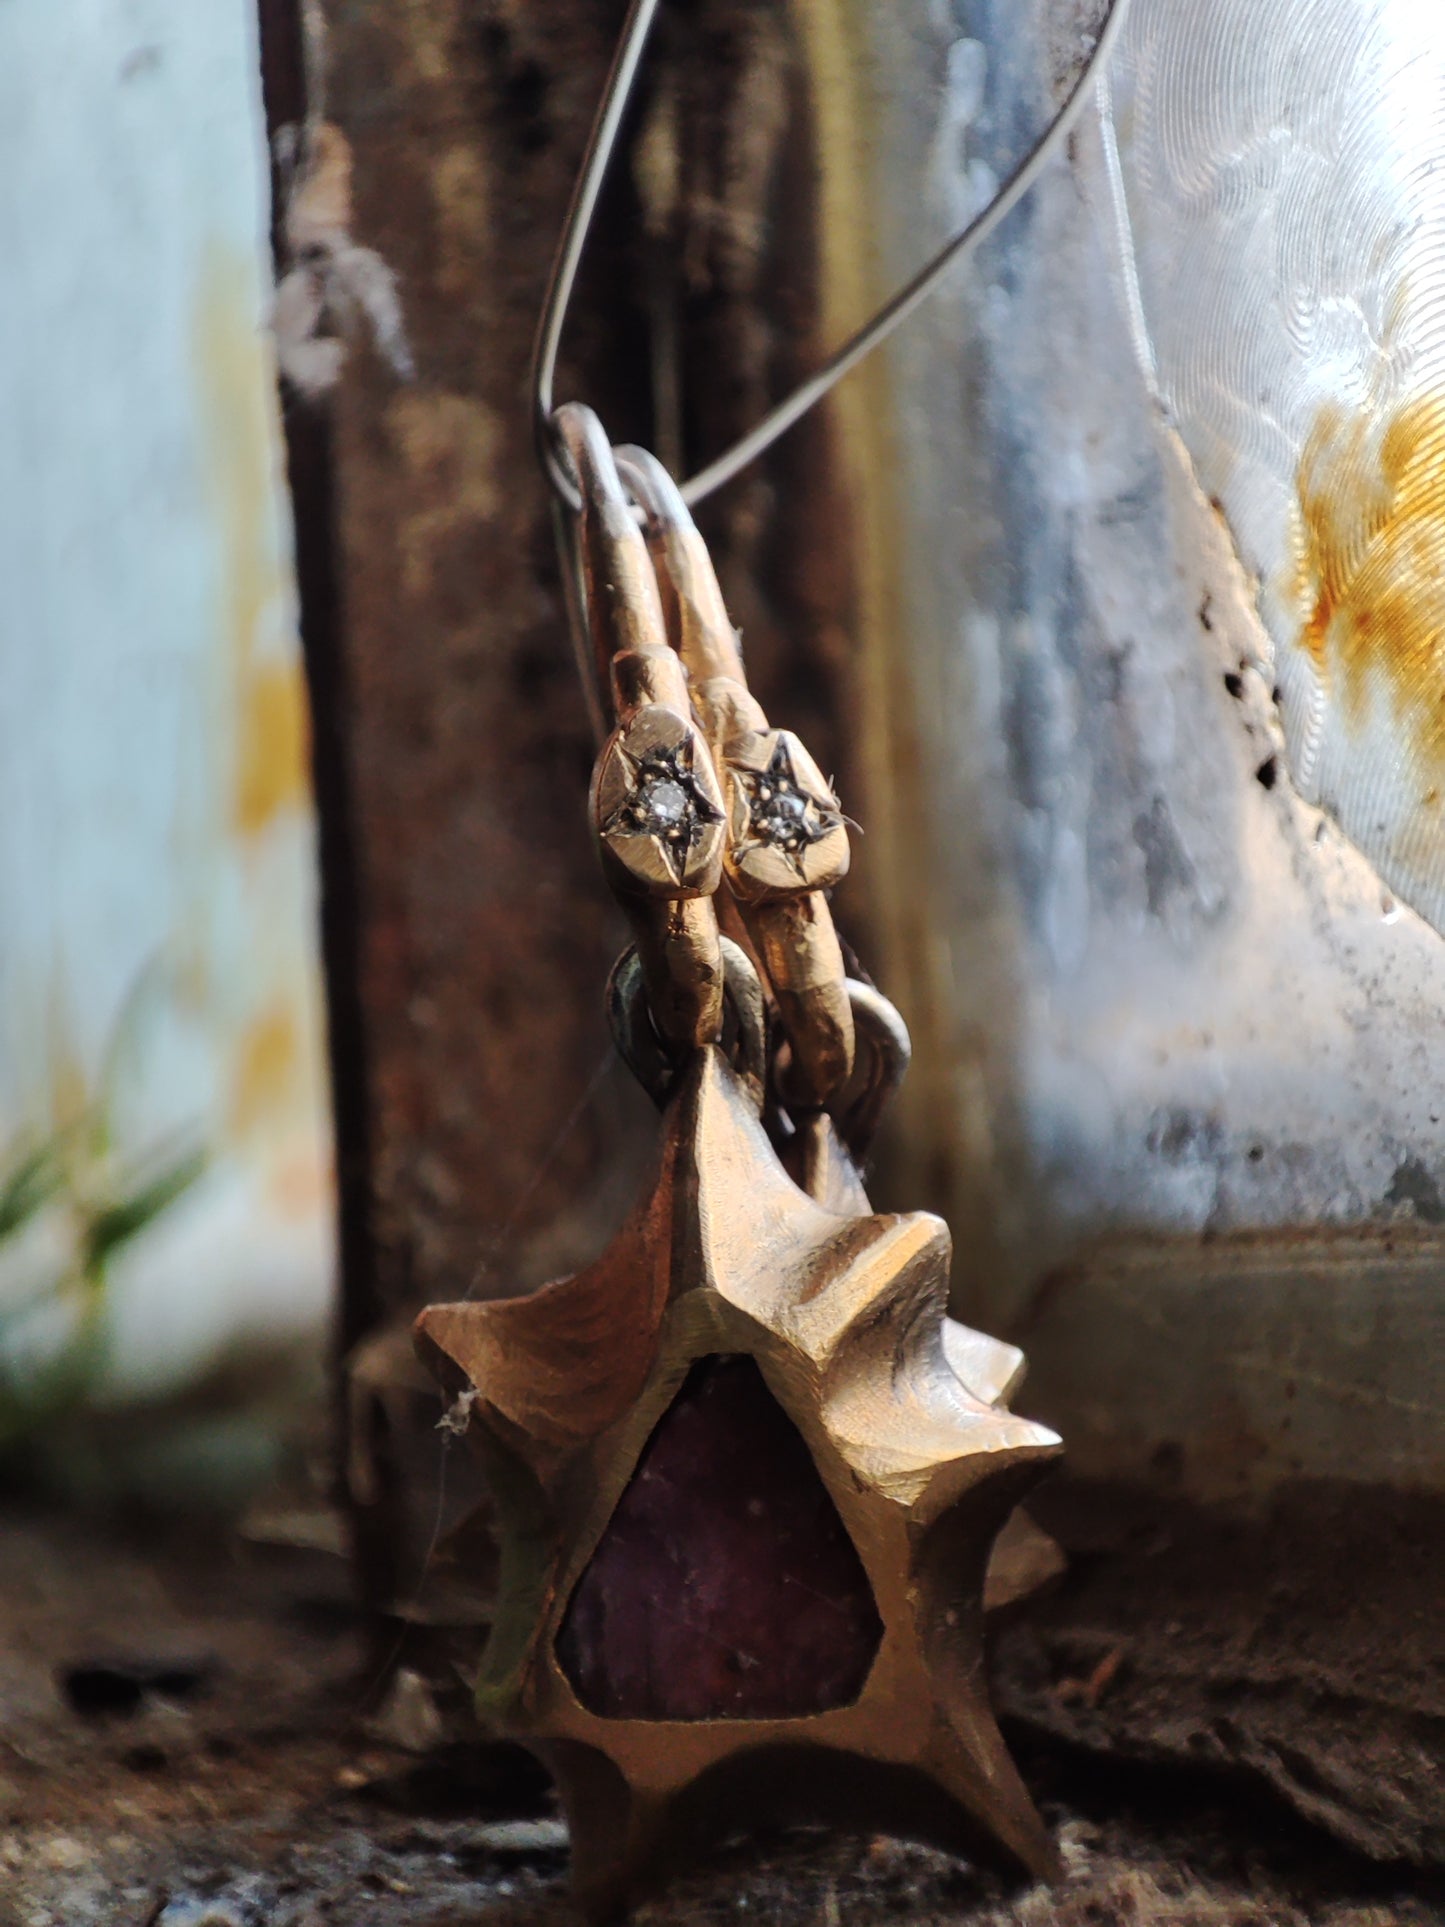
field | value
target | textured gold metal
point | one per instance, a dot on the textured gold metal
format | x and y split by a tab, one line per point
654	748
622	605
764	767
677	944
844	1316
800	952
787	841
657	809
874	1430
696	616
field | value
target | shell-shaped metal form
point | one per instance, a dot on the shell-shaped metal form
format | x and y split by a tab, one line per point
1279	183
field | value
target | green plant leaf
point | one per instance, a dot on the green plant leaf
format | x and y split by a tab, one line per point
118	1223
30	1186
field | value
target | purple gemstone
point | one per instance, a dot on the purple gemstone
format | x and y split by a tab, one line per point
725	1585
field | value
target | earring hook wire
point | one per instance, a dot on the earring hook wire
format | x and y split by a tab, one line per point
601	145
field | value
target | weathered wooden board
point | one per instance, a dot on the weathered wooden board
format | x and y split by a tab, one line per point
502	1140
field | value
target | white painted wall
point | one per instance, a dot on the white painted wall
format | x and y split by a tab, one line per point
157	870
1186	1045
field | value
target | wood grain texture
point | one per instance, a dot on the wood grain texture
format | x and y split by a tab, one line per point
485	930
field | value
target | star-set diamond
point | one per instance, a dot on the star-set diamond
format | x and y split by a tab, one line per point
667	802
780	811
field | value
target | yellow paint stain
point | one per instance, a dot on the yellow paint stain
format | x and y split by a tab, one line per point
267	1058
273	749
237	410
1370	568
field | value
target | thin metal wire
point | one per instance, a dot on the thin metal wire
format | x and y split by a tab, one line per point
616	93
601	143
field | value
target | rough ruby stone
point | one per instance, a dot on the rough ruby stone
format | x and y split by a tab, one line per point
725	1585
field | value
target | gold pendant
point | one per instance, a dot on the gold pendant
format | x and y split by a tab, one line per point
748	1475
867	1699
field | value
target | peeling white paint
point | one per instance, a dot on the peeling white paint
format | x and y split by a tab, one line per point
1178	1003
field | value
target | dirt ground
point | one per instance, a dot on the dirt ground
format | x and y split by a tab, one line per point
188	1739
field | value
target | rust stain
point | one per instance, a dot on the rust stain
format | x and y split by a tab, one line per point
320	210
430	34
463	202
235	382
449	444
1370	570
268	1055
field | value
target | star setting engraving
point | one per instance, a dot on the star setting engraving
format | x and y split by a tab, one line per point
664	801
784	814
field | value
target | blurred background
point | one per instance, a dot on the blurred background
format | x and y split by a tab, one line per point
166	1195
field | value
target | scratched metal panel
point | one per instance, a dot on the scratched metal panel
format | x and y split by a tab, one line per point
159	1004
1165	1011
